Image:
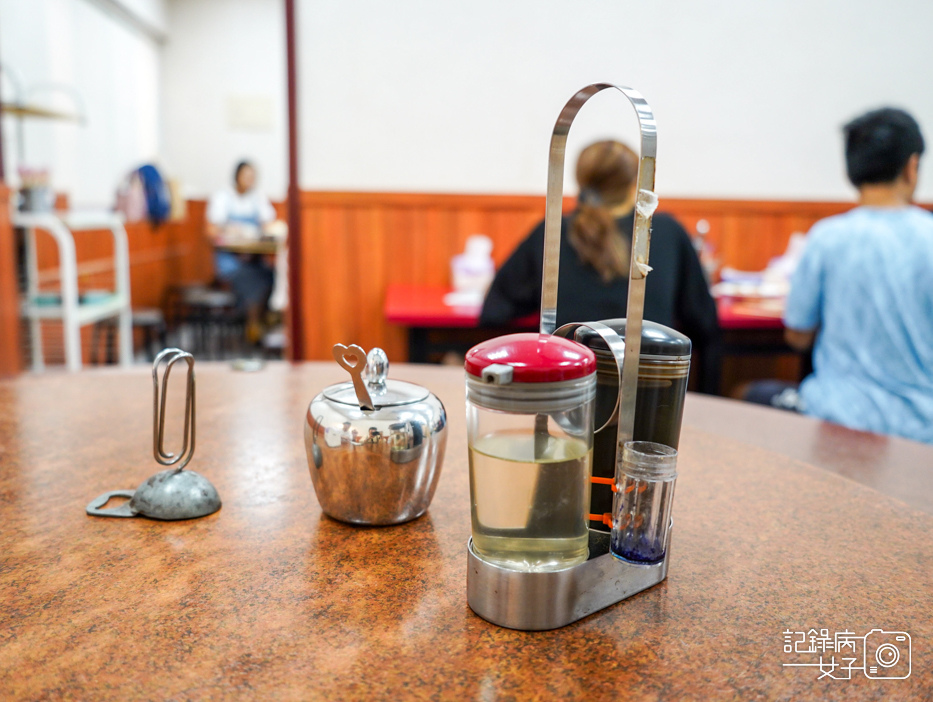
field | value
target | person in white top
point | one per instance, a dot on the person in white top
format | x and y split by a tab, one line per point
241	213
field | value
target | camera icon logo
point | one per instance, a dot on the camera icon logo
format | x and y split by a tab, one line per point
887	654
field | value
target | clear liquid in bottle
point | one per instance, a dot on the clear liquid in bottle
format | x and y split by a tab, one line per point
530	504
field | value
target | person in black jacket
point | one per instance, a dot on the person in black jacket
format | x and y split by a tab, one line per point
595	255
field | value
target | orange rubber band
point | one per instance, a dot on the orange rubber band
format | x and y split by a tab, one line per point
611	482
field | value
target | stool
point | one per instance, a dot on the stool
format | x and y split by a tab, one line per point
148	319
175	305
217	324
273	343
152	323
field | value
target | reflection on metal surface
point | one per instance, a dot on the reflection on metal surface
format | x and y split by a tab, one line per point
549	600
406	442
317	456
616	346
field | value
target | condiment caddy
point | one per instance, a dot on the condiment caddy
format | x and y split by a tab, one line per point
533	562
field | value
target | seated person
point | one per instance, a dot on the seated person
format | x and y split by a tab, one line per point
863	292
242	213
595	256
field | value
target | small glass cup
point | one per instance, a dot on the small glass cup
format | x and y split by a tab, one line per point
642	504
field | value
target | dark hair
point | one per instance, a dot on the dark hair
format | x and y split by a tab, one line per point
879	144
239	167
606	172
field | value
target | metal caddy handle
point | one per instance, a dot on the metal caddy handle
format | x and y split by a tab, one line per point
549	600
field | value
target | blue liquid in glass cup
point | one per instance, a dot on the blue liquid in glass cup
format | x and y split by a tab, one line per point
642	504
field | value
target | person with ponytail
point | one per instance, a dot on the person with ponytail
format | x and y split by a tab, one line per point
594	263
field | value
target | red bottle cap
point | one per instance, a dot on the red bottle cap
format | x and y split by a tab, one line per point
534	358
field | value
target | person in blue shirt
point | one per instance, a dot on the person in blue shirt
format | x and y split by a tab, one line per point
862	295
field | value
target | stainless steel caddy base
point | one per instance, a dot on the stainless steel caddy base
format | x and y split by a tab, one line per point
541	601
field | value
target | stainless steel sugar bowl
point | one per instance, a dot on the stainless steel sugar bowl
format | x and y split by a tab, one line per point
375	446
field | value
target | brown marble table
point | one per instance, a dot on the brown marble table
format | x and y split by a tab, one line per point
896	467
268	599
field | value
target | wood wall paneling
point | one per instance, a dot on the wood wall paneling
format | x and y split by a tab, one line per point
10	360
746	234
358	243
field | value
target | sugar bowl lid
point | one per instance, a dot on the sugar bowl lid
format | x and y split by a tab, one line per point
376	390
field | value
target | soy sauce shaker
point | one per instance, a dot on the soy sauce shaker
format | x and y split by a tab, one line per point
663	371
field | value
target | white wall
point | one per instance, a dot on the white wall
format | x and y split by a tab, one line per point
223	58
149	12
749	96
421	95
112	67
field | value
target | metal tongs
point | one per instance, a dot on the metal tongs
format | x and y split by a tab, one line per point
174	493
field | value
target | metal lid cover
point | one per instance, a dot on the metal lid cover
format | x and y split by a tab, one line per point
392	394
534	358
656	339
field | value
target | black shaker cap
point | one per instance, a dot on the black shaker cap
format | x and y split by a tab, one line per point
656	339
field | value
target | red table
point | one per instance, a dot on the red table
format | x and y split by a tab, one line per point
749	314
421	308
434	327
